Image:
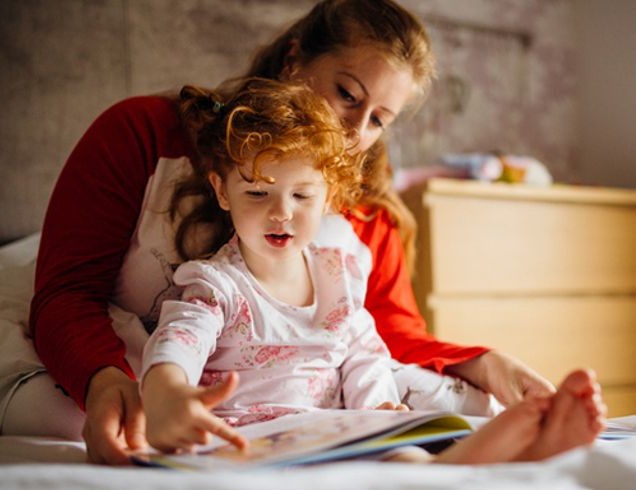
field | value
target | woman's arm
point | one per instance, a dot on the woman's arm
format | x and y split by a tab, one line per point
88	227
90	221
89	224
391	301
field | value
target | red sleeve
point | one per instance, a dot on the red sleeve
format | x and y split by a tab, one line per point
392	304
88	226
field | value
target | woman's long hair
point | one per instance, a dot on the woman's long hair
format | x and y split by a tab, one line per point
332	25
402	39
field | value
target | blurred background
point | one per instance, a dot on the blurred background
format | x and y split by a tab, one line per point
548	78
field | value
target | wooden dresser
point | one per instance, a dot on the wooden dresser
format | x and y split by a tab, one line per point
545	274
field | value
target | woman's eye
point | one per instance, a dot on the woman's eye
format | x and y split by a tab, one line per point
345	94
377	122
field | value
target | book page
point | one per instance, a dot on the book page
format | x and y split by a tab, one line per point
620	428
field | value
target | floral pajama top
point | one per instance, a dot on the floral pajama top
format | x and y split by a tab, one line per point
289	359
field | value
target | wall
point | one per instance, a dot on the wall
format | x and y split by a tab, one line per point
606	42
514	61
65	61
507	79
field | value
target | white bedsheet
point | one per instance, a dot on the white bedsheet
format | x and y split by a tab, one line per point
46	463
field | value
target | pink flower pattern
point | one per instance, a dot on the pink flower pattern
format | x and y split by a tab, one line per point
324	388
351	263
179	335
240	322
208	302
335	319
269	355
332	260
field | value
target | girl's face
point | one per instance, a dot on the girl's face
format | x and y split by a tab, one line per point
274	221
362	87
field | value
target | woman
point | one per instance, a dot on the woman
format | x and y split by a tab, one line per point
106	237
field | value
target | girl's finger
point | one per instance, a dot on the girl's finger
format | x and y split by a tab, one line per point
385	406
214	395
220	429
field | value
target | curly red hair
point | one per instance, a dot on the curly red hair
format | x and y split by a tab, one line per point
261	120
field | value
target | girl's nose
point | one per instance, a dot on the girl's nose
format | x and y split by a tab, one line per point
280	210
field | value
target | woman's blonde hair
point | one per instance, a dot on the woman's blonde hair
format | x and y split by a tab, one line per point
400	37
259	120
335	24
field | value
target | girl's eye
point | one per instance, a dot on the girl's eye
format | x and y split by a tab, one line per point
345	94
256	193
302	197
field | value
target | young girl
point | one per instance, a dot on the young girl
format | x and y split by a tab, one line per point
286	309
275	303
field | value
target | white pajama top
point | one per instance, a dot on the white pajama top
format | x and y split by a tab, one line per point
289	358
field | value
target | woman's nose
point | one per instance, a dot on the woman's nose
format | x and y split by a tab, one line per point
358	121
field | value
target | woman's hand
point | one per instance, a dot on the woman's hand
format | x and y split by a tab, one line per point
507	378
114	418
398	407
178	415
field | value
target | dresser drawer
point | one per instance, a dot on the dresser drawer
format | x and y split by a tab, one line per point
620	400
547	275
514	246
551	334
555	335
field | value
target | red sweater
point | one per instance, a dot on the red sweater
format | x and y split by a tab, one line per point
91	219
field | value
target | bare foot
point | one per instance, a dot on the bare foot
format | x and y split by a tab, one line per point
502	439
575	418
533	429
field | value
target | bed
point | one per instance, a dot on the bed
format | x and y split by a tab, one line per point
29	462
35	462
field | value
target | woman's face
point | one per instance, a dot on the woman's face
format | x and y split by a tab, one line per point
362	87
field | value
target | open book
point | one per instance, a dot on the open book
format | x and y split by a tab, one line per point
320	436
619	428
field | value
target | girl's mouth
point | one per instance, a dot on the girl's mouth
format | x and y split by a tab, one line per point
278	240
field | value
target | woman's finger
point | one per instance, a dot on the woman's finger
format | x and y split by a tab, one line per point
103	444
135	422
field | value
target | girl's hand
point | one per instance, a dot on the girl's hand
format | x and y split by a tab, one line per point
178	415
114	417
398	407
508	379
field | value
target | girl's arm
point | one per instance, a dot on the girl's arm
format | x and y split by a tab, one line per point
178	415
188	329
367	381
178	410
